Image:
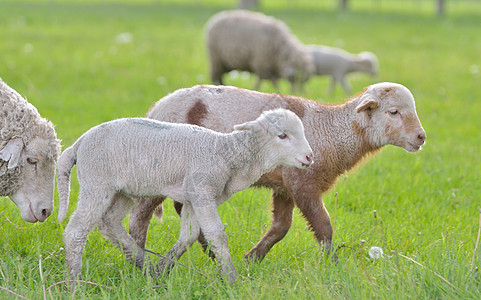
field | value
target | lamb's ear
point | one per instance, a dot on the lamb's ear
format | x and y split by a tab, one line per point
254	126
11	152
245	126
367	103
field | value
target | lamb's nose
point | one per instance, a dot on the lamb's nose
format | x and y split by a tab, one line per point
309	158
422	137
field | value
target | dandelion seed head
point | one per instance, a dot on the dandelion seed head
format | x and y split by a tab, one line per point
124	38
376	252
28	48
474	69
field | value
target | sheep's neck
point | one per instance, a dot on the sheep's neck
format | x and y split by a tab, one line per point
246	160
353	65
342	137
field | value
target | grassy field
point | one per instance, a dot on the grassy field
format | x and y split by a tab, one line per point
82	63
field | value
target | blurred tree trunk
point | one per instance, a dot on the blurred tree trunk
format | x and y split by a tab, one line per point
247	4
343	4
440	7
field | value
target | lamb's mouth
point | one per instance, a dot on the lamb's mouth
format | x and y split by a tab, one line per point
304	165
415	147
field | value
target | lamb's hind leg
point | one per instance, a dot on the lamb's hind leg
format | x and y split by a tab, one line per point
111	227
281	222
91	205
140	219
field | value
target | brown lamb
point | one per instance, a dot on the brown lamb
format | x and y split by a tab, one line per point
340	136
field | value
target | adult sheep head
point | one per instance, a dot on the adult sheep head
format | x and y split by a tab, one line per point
282	133
389	116
28	153
31	171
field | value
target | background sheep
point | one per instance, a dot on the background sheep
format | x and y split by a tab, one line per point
337	63
195	166
254	42
28	153
341	135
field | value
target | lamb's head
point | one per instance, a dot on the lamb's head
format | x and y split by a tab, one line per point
367	62
281	133
389	116
33	164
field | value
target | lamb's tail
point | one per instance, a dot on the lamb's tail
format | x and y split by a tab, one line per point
65	164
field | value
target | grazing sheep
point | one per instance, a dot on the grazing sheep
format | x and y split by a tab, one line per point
128	159
28	153
338	63
254	42
341	136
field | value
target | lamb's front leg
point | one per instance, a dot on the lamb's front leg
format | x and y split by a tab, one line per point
189	232
281	222
213	230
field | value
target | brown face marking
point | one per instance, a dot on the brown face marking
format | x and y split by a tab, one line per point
385	91
412	125
196	113
393	133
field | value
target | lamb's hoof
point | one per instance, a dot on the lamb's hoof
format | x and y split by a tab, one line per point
163	267
232	277
150	270
334	258
254	256
72	283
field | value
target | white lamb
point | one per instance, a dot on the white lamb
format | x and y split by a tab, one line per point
29	149
254	42
337	63
140	158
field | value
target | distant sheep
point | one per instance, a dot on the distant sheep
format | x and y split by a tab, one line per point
128	159
251	41
337	63
341	136
29	150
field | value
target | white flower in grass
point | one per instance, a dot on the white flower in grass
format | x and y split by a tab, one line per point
161	80
28	48
245	75
124	38
474	69
234	74
376	252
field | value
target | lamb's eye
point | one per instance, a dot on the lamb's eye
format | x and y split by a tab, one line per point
32	161
282	136
393	112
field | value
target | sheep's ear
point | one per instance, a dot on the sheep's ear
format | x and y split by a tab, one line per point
367	104
245	126
254	126
11	152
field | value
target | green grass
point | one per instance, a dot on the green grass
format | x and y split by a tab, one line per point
65	59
